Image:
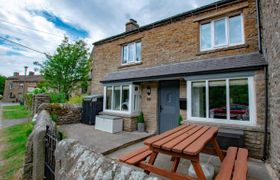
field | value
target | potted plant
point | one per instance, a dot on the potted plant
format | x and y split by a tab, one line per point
180	120
140	122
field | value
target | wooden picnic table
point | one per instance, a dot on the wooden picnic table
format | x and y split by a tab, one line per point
185	141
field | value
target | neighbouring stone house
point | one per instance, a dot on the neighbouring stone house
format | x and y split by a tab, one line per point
203	64
17	85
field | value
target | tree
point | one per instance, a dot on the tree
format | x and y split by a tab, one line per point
2	84
68	68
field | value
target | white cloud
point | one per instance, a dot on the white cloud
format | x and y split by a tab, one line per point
100	18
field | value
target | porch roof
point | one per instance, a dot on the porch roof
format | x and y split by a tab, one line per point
194	67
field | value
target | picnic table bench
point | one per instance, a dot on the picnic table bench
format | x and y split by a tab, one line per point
187	141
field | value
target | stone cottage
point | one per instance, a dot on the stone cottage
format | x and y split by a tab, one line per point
203	64
17	85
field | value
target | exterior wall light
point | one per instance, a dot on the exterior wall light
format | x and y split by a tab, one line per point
148	90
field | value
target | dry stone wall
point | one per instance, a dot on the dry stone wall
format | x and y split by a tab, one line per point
39	99
76	161
35	152
63	113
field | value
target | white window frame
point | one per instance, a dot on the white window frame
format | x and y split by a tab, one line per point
134	53
252	102
227	44
130	110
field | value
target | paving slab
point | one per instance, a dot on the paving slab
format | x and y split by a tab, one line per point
102	142
256	168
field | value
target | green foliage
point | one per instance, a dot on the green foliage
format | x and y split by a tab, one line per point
14	139
180	120
2	84
65	70
29	96
140	118
54	116
15	112
57	97
76	99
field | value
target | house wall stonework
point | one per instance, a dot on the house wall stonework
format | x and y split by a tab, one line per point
170	43
178	42
149	105
270	15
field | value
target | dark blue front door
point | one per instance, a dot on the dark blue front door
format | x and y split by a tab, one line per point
168	105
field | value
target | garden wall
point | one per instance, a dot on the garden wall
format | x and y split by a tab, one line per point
35	152
76	161
63	113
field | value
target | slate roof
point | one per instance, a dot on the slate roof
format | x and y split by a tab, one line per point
206	66
168	20
28	78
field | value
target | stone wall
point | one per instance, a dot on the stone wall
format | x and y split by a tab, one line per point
35	149
270	15
63	113
39	99
76	161
149	105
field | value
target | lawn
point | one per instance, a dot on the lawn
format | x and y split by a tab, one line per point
13	143
15	112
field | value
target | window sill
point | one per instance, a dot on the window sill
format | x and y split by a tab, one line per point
222	49
129	65
242	126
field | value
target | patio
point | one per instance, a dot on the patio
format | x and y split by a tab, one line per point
102	142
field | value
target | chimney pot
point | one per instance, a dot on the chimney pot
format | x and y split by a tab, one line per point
131	25
16	73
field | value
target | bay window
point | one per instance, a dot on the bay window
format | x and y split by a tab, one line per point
122	98
225	100
223	32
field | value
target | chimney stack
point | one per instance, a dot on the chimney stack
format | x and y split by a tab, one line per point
131	25
16	73
31	73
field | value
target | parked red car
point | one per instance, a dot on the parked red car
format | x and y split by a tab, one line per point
237	111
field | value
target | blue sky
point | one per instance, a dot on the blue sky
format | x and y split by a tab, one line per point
42	24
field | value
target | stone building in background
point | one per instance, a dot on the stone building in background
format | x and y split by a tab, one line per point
17	85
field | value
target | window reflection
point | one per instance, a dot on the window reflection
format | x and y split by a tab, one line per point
239	100
198	99
217	99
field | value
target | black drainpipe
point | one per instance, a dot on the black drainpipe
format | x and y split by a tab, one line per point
259	25
266	115
266	80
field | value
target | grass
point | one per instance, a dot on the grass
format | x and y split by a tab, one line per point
15	112
13	145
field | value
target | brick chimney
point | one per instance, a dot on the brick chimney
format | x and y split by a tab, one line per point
31	73
16	73
131	25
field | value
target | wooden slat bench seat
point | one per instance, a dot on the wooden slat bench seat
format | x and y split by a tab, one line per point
234	165
136	156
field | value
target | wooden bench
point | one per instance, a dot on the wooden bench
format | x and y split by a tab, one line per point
234	165
136	156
